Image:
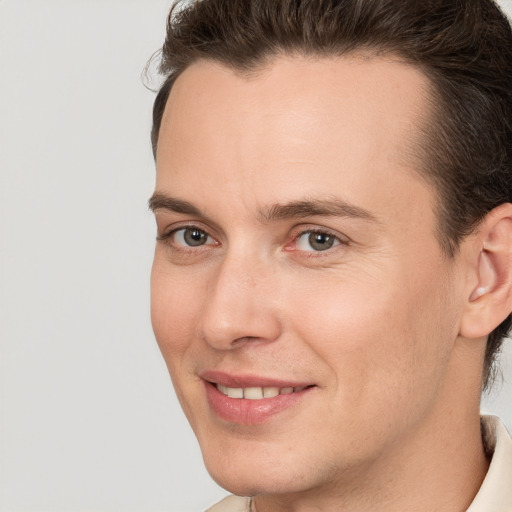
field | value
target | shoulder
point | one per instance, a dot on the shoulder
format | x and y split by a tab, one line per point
232	504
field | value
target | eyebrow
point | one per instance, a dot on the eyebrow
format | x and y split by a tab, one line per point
316	207
333	207
160	201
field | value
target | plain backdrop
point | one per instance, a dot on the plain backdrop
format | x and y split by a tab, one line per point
88	418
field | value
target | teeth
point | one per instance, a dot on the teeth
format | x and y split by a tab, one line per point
270	392
257	393
253	393
235	392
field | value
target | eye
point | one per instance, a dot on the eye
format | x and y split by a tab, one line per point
316	241
190	237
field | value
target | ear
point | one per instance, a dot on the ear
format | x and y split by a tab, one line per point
489	301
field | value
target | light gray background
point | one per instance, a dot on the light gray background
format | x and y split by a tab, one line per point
88	419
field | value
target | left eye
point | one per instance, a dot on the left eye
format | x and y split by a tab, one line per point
191	237
316	241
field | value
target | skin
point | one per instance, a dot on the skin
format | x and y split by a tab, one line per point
377	322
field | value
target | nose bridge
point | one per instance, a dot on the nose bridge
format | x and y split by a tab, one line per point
239	303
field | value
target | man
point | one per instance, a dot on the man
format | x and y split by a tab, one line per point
332	277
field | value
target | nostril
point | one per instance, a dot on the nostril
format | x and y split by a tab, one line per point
242	339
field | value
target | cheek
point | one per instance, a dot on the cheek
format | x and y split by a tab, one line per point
174	304
380	336
174	309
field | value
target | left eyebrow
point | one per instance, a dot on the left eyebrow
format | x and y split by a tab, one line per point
316	207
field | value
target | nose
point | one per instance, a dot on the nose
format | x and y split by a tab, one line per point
241	305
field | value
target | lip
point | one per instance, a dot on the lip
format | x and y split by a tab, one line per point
250	412
247	381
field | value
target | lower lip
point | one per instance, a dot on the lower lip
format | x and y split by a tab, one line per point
249	412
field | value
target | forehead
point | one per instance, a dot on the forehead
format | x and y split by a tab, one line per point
296	125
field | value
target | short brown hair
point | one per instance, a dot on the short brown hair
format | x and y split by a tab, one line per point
463	46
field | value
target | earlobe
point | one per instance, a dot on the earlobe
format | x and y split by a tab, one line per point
490	300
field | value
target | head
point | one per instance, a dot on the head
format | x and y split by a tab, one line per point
270	113
466	139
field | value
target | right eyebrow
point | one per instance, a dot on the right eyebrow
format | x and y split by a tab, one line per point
160	201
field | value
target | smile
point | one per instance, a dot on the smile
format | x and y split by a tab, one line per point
257	393
252	400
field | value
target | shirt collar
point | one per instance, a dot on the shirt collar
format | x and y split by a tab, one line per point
495	494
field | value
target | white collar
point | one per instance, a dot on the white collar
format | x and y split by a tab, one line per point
495	494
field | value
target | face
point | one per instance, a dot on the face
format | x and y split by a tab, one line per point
300	297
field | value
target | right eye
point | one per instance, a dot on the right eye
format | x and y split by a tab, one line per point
190	237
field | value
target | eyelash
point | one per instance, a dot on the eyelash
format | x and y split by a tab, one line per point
340	241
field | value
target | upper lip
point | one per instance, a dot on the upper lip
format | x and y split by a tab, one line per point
247	381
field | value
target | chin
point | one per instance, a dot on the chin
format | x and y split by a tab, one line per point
244	475
254	484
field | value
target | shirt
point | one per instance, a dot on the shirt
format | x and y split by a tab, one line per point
495	494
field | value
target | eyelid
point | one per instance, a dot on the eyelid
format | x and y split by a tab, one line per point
166	229
165	221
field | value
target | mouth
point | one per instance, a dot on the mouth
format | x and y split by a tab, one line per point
258	392
247	400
